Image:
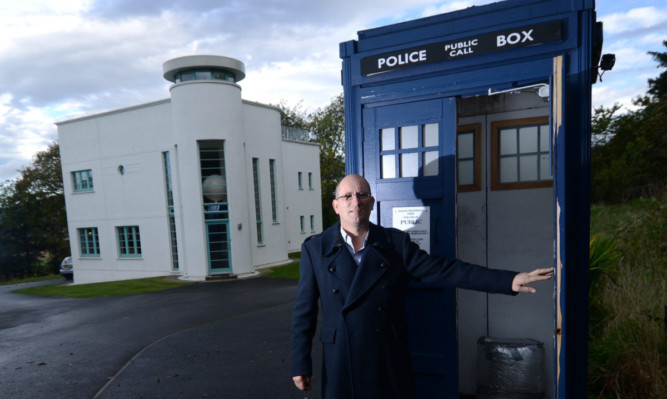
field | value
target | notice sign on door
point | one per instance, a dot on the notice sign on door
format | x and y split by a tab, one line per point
415	220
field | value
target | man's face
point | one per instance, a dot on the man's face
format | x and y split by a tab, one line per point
353	202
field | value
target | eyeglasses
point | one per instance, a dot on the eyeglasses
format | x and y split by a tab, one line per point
348	197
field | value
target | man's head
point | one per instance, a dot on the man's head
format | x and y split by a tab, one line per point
353	203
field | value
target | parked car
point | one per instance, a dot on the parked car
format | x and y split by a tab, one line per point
66	268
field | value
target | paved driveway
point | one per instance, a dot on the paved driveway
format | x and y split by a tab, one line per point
214	340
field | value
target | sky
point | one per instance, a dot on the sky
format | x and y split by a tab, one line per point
62	59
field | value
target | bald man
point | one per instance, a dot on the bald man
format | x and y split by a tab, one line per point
359	273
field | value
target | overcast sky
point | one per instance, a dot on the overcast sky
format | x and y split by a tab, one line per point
61	59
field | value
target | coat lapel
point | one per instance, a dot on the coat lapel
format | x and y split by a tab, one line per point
371	269
337	259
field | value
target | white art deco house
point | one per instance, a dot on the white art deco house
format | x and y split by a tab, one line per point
200	185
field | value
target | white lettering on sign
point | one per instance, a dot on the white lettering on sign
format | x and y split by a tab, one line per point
402	59
514	38
461	48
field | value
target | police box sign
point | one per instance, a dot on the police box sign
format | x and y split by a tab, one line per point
475	45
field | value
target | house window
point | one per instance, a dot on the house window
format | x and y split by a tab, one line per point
89	242
272	177
129	241
312	223
82	180
258	208
409	151
166	164
520	154
310	180
303	227
300	181
469	157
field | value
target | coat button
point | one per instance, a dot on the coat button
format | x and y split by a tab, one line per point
379	308
383	265
335	290
332	269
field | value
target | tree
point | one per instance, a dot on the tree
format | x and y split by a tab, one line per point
327	127
630	150
33	221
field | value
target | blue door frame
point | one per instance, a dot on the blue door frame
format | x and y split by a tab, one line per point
567	63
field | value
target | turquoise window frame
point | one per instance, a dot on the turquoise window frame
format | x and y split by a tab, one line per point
129	241
300	175
303	224
258	204
312	223
173	241
310	180
89	242
272	177
82	181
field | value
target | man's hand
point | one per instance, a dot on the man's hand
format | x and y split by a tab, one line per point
521	280
302	382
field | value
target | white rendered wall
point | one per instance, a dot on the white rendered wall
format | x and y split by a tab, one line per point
304	158
263	141
136	198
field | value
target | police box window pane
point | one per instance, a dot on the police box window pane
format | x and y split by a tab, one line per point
508	170
466	172
528	168
387	139
528	139
545	167
430	163
409	165
388	166
431	135
465	146
409	137
508	141
544	138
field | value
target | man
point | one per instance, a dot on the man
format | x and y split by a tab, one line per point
360	272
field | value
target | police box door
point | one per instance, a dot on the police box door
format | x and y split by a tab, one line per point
409	161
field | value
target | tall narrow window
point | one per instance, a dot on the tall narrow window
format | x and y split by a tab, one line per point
166	163
215	207
258	208
310	180
272	176
303	224
129	241
520	154
312	223
300	181
82	180
89	242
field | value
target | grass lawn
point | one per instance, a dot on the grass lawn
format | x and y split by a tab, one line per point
290	271
114	288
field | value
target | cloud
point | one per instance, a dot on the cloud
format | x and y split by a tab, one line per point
635	19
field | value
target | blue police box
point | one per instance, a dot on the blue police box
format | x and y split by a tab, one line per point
473	129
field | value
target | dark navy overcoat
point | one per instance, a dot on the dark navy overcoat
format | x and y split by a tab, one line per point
364	331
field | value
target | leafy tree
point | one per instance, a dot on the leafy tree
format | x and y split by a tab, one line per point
327	127
630	150
658	86
33	222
